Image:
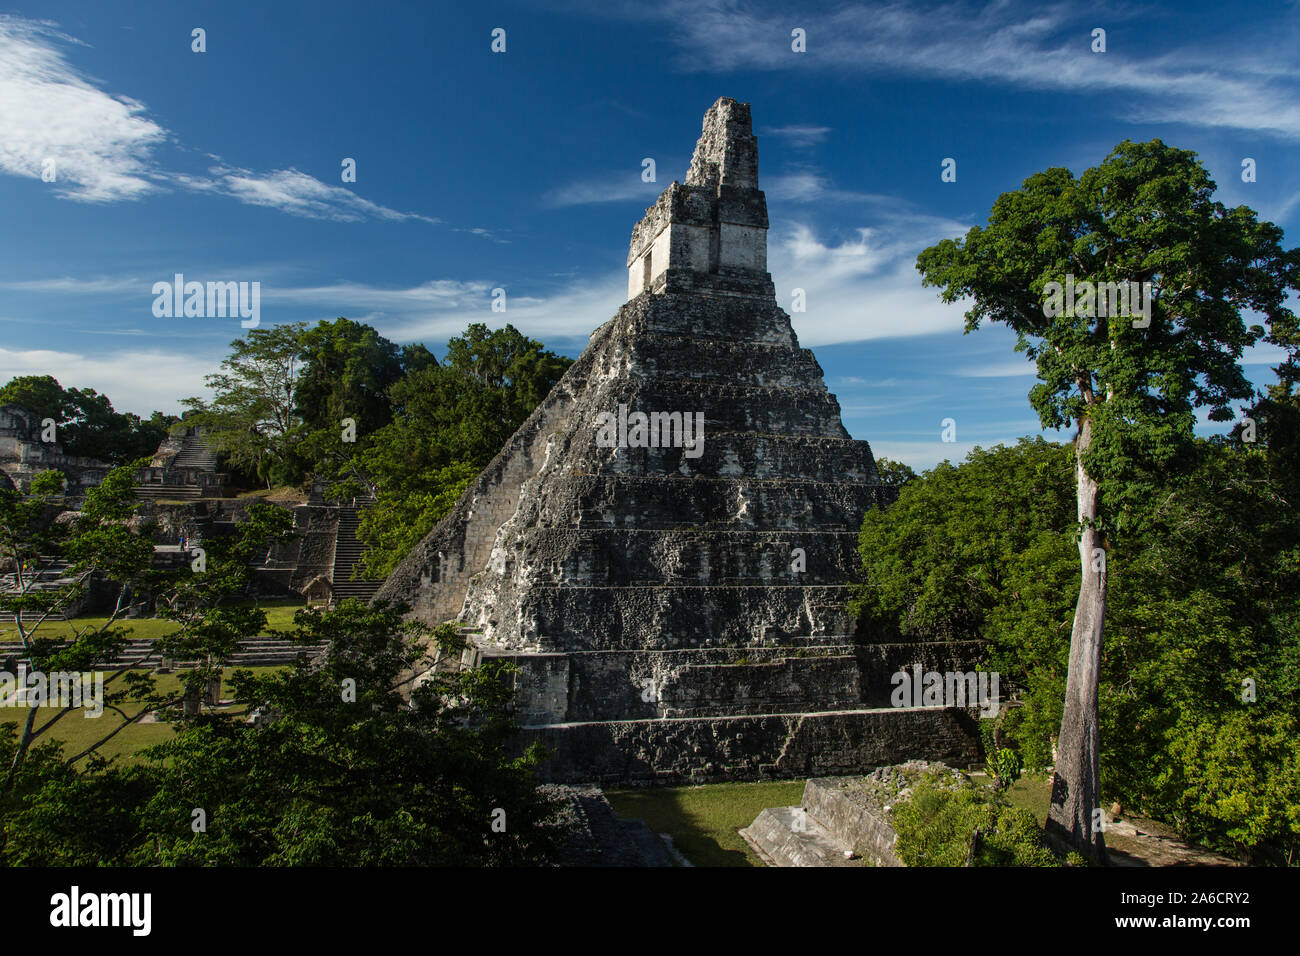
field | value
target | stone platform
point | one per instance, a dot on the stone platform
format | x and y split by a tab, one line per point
837	823
690	750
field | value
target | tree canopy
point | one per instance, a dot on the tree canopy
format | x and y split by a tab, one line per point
1128	372
86	424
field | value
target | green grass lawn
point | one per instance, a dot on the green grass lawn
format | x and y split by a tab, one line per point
76	731
279	616
703	820
1033	792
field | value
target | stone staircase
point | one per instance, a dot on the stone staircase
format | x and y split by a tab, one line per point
195	453
347	554
53	571
254	652
787	836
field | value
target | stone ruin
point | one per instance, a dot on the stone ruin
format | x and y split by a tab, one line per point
676	603
184	468
24	455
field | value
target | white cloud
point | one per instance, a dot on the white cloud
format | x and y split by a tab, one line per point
101	144
137	381
923	455
573	312
801	137
1032	46
864	287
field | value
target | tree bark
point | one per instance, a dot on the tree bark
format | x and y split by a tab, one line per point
1076	784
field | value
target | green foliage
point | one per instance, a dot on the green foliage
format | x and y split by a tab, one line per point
421	429
347	369
106	543
342	771
1145	214
400	518
946	554
895	474
1003	764
938	825
40	394
251	418
1204	594
86	423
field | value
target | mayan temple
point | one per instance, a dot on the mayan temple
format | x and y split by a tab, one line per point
675	595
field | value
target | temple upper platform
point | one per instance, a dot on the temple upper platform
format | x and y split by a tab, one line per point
708	234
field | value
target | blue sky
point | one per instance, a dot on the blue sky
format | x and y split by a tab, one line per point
522	169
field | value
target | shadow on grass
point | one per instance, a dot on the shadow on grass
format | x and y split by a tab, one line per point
703	821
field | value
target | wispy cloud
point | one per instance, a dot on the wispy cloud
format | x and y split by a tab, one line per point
615	187
1012	368
434	294
299	194
100	144
809	185
69	285
801	137
1021	44
103	145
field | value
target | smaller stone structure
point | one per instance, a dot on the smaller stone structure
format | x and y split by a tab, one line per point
841	821
23	455
184	467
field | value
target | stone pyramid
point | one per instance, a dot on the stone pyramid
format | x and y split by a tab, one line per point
665	547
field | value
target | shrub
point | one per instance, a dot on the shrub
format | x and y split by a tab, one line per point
942	825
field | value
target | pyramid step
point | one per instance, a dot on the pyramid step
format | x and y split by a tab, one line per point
788	836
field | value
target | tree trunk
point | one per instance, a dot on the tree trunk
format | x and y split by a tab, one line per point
1076	785
20	754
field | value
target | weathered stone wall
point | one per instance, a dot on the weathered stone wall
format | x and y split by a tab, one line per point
433	578
707	749
853	819
309	553
23	455
648	684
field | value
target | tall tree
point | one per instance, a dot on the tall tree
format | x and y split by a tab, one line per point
342	394
1130	387
252	417
42	395
347	369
